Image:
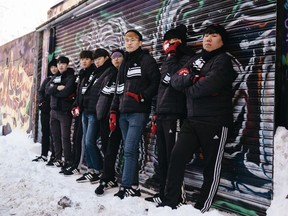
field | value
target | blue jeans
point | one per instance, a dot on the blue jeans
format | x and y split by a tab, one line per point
93	155
132	126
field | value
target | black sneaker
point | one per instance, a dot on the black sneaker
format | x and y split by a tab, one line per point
58	163
104	185
71	171
156	198
182	198
83	178
93	177
64	167
128	191
51	161
40	159
181	201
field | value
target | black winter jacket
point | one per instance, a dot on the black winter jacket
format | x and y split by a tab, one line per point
107	93
94	87
84	74
139	74
209	99
171	104
62	100
43	98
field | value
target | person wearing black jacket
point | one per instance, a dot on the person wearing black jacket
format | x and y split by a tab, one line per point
110	140
207	81
170	104
137	84
61	89
44	106
87	68
91	87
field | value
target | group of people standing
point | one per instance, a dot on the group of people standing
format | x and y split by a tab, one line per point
111	99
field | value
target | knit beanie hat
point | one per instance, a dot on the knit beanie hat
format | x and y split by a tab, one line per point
100	53
217	29
63	59
179	32
117	53
53	62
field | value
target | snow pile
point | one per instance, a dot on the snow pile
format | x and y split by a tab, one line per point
31	188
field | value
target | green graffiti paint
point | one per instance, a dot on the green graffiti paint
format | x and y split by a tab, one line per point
285	59
234	208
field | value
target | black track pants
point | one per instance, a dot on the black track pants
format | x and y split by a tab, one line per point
167	131
193	135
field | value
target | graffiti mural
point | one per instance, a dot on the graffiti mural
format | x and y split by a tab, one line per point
16	81
248	162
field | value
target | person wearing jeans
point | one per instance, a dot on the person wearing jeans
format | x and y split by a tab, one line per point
132	126
90	128
91	87
137	83
87	68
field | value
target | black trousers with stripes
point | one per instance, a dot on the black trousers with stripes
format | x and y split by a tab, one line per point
194	135
167	130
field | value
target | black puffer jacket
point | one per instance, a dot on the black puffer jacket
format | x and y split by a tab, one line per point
139	74
209	99
43	98
171	104
107	92
94	87
84	74
62	100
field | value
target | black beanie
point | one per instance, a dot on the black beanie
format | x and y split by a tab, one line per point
63	59
217	29
178	32
53	62
100	52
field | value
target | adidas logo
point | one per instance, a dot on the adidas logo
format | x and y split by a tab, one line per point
170	131
215	137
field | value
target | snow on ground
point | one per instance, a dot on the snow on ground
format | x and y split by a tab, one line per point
33	189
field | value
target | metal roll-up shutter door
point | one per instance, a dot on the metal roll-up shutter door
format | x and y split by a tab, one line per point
246	183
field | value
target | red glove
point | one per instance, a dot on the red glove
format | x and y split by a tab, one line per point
75	111
170	48
183	72
137	97
196	78
112	121
153	125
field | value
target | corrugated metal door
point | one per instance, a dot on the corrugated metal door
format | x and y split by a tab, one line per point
246	183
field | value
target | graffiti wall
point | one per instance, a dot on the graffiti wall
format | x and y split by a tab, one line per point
246	183
16	81
283	38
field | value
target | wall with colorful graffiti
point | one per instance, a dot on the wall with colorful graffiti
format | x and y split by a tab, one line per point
246	183
16	81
